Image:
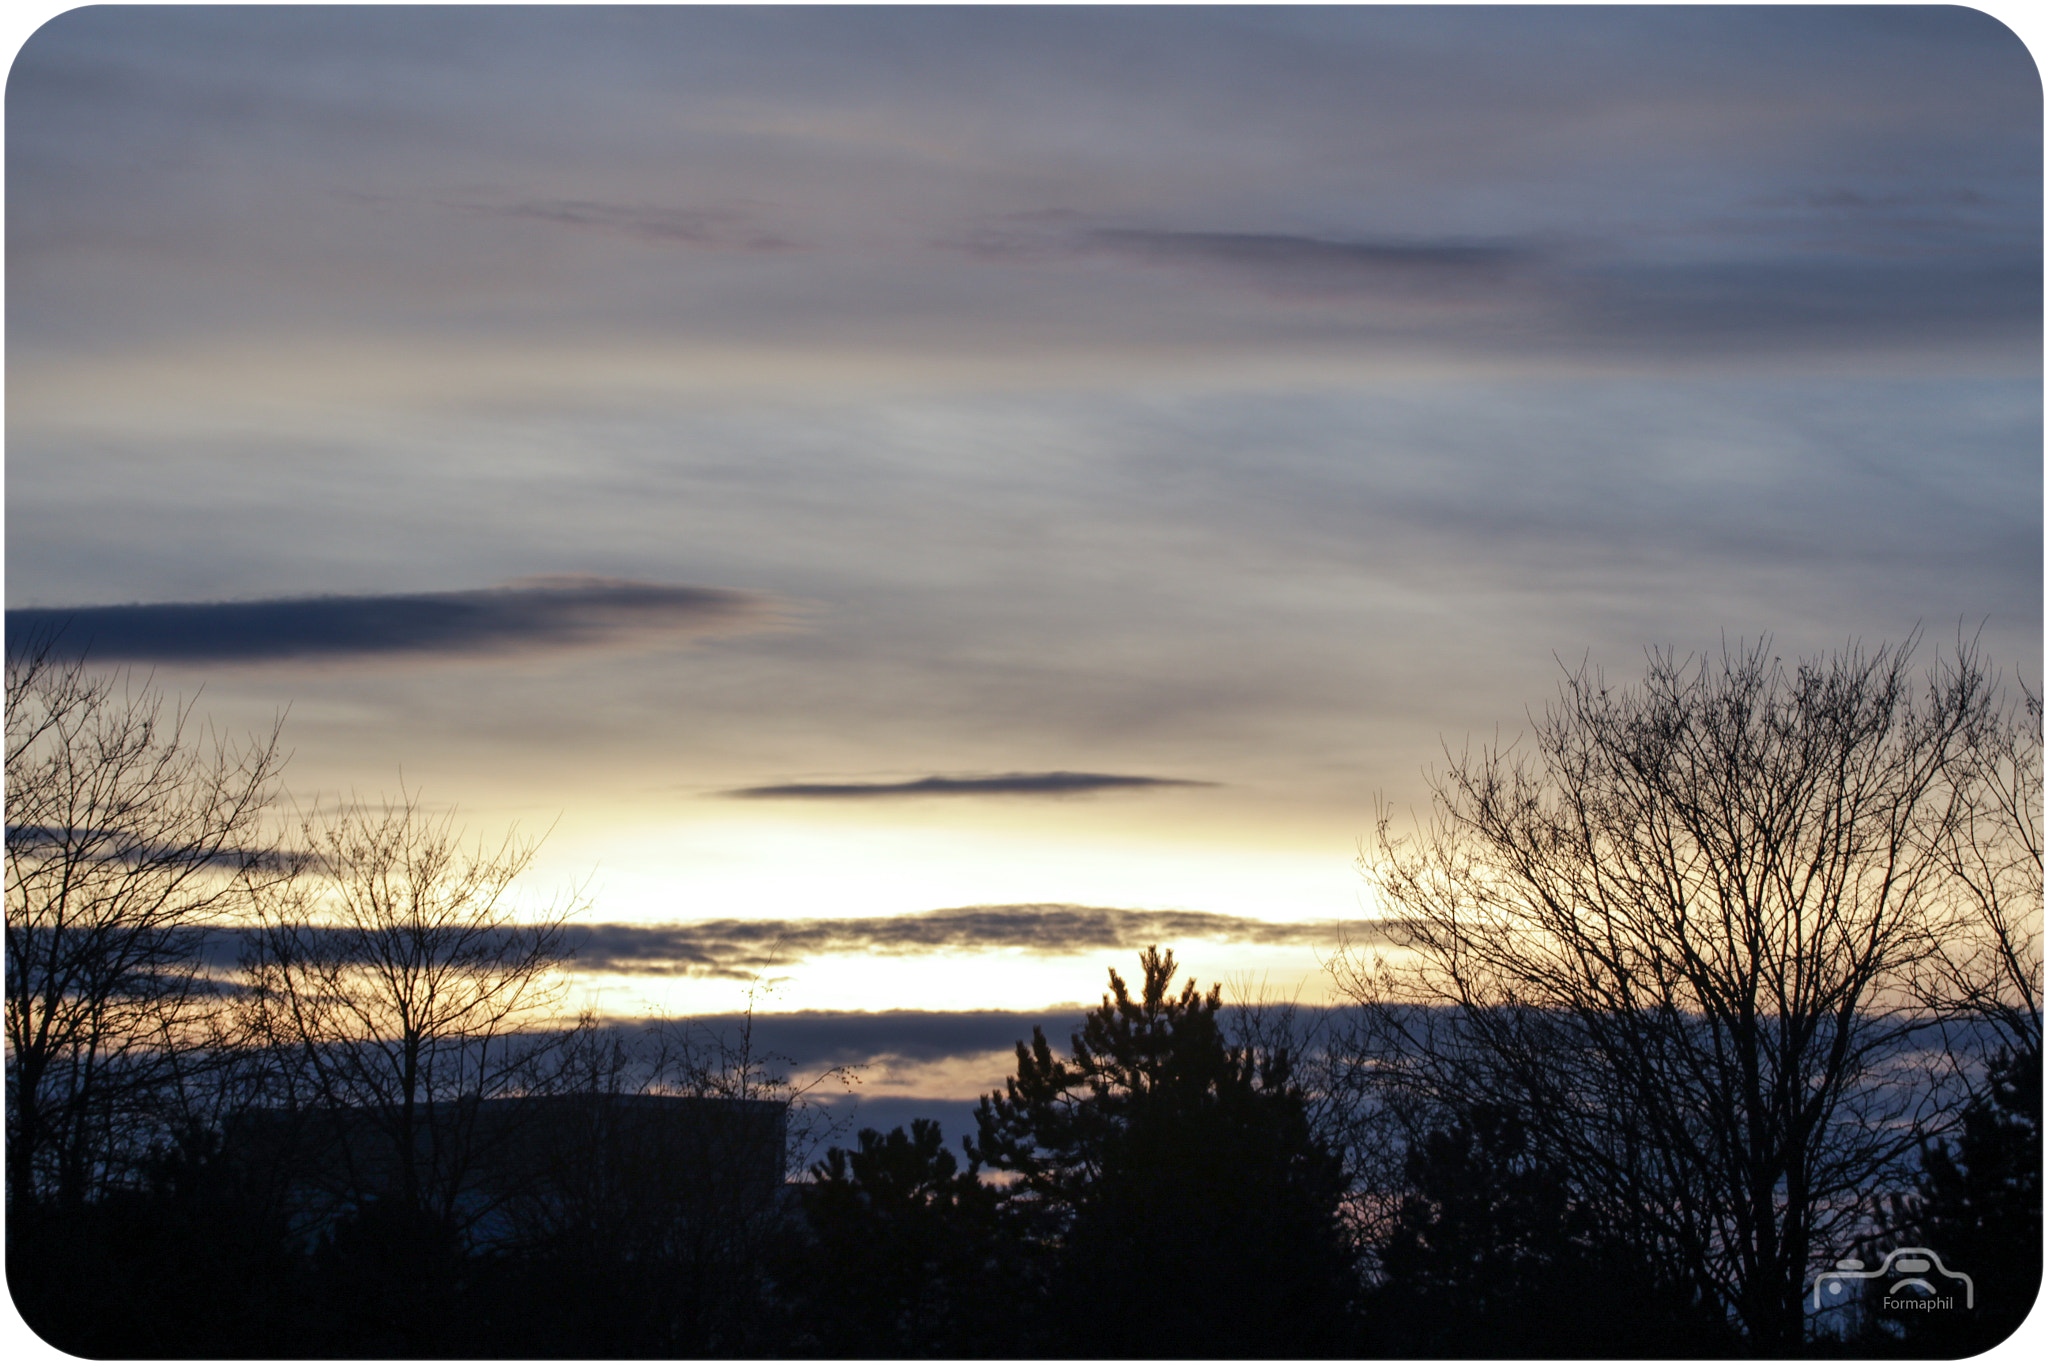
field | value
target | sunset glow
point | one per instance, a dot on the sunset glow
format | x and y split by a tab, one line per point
848	464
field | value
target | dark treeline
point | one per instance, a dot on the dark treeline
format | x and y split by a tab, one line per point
1706	1024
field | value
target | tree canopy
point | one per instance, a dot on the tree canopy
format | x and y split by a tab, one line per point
131	831
1180	1179
1699	935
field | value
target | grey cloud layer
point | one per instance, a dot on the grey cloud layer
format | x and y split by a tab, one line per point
1255	394
121	846
1004	784
545	614
1717	178
1871	281
713	227
813	1039
1289	263
914	1044
740	948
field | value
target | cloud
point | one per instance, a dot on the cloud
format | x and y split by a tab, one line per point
1838	197
101	845
814	1039
909	1063
1003	784
1757	280
915	1051
559	613
740	948
714	227
1791	301
1293	262
1278	262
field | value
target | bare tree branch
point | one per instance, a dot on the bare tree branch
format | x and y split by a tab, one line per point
1696	935
397	987
131	828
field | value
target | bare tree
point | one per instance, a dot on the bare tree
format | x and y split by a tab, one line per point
131	829
1682	939
401	991
719	1061
1988	969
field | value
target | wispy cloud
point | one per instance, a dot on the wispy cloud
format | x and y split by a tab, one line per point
1838	197
1878	275
1284	262
1295	262
739	948
560	613
93	844
1000	784
903	1053
911	1063
1791	302
742	949
712	227
814	1039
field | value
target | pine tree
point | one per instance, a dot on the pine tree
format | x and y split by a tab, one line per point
1492	1252
906	1253
1175	1180
1978	1207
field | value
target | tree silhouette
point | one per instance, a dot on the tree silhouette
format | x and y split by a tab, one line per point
1988	966
388	1280
189	1262
1492	1253
1978	1206
651	1205
1191	1208
1685	936
907	1253
129	833
397	988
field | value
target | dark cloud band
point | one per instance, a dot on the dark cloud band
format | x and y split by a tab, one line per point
710	227
740	948
1002	784
98	845
532	614
1280	258
1881	283
1284	262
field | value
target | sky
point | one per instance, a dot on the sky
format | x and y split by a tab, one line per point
917	504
